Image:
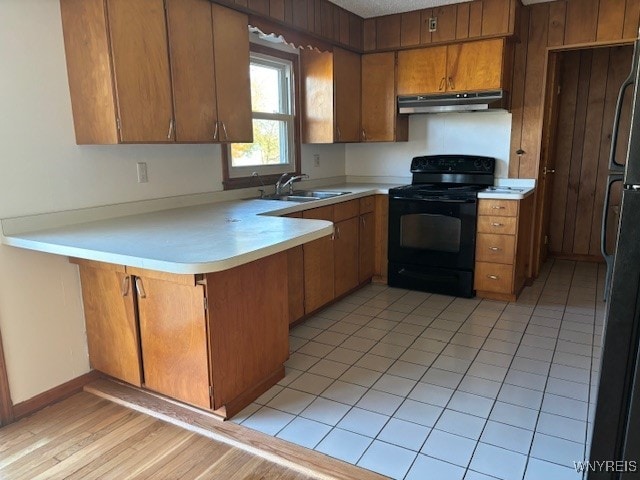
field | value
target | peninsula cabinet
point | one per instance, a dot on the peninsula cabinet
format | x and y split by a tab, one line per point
460	67
380	119
189	336
331	94
140	73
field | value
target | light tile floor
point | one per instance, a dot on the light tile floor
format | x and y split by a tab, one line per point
420	386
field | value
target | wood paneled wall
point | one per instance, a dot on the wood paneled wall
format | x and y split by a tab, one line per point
559	24
318	18
590	80
462	21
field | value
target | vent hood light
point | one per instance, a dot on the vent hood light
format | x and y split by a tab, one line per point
453	102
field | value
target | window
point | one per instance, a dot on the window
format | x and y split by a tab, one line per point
274	149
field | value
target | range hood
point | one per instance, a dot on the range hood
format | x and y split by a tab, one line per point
453	102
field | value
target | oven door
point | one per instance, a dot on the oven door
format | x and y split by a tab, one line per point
432	232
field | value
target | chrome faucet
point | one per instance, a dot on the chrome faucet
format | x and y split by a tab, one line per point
280	187
289	183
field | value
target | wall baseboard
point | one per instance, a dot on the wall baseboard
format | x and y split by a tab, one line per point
44	399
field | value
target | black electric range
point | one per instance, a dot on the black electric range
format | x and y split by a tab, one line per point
432	224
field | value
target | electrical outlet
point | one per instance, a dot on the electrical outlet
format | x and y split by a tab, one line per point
142	172
316	160
433	24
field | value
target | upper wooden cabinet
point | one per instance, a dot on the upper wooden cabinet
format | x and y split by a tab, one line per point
141	74
462	67
330	96
380	120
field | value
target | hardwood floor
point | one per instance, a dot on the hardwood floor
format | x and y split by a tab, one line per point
87	437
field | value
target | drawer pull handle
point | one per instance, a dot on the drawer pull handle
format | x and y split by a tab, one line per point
493	277
497	207
495	249
497	224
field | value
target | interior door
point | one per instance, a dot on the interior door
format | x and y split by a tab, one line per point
138	31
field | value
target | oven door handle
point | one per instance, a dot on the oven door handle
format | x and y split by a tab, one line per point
441	200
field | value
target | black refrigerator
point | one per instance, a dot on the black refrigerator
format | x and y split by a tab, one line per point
616	426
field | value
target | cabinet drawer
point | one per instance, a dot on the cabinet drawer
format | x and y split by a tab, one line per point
345	210
493	277
500	208
501	225
495	248
320	213
367	204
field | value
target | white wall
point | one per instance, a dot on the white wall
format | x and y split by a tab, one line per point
42	170
477	133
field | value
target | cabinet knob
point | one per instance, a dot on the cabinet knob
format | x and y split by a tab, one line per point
224	130
493	277
338	132
495	249
215	131
497	207
451	84
494	224
441	86
364	135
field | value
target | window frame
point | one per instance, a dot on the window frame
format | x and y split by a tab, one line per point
230	183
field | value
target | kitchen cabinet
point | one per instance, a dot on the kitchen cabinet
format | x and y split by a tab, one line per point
190	337
346	246
461	67
141	74
112	329
331	96
319	264
366	239
502	247
380	119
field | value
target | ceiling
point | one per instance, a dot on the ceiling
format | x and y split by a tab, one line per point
375	8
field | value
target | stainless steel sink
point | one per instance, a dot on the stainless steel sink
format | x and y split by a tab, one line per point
304	196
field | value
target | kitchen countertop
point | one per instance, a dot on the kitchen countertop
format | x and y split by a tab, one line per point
509	189
195	239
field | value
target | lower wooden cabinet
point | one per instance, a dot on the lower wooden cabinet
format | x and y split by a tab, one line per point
295	274
173	338
503	248
216	341
110	314
346	256
366	252
318	273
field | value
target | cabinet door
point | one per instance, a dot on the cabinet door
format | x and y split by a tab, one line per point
318	273
112	332
346	255
233	85
378	97
475	66
367	247
141	67
295	272
192	69
174	340
422	71
346	74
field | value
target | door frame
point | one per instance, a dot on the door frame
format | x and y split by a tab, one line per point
547	141
6	405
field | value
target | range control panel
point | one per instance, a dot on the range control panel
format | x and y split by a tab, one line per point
453	164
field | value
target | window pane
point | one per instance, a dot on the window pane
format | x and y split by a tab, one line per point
265	89
268	148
